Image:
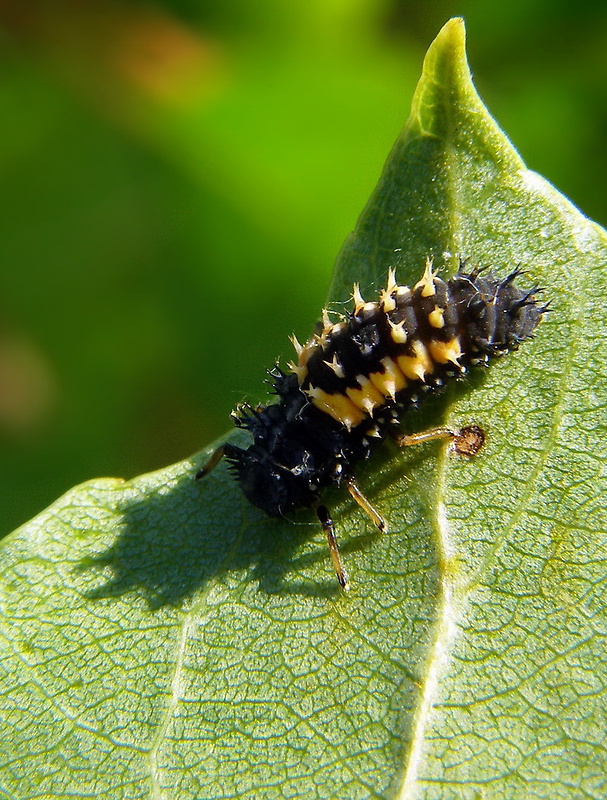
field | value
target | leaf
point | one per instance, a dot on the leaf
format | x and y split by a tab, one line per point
163	638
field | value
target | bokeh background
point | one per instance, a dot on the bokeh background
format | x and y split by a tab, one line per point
176	179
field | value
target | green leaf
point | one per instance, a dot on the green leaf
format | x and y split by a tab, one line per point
162	638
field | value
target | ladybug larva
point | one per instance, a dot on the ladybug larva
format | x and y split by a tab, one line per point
353	380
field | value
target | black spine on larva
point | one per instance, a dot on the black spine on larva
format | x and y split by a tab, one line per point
356	378
495	316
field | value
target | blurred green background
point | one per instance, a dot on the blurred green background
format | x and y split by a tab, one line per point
178	177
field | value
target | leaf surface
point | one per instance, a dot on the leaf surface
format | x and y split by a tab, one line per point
162	638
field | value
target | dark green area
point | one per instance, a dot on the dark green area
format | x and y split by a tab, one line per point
176	180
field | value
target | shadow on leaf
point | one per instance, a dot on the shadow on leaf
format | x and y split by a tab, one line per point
173	542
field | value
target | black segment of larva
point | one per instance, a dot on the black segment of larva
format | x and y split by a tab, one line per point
354	379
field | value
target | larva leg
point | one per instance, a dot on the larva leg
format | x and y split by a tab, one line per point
374	515
211	463
327	525
465	442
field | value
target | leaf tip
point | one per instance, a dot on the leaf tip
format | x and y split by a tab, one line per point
446	56
445	75
454	33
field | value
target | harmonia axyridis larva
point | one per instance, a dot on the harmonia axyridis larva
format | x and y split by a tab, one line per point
354	379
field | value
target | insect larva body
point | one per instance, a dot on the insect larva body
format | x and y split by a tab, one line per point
353	380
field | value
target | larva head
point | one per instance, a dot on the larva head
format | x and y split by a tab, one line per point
274	488
496	315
